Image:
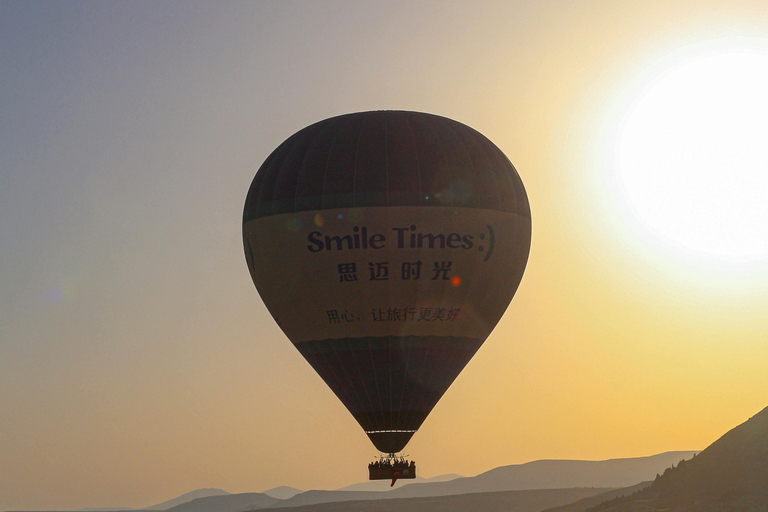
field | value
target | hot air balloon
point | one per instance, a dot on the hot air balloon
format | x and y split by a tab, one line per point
387	245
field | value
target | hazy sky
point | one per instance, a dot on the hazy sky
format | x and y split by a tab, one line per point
137	361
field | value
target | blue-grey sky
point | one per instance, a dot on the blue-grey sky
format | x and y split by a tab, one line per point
137	361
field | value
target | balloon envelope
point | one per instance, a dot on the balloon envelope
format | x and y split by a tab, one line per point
387	245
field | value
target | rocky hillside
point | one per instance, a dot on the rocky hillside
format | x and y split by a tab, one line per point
730	475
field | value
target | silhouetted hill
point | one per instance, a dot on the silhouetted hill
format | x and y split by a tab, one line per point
585	503
563	474
542	474
103	509
228	503
283	492
585	478
506	501
730	475
186	498
383	485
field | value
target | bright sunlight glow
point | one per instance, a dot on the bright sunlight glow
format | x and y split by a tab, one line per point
693	156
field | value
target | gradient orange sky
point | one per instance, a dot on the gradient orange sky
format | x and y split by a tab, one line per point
137	361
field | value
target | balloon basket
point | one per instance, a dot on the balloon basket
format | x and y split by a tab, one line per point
392	468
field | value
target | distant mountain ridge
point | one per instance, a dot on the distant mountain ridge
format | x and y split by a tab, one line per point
543	474
227	503
384	485
563	474
185	498
283	492
731	475
533	500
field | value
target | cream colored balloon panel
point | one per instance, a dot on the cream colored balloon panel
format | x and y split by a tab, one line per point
362	272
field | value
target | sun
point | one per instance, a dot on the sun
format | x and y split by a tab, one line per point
691	156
